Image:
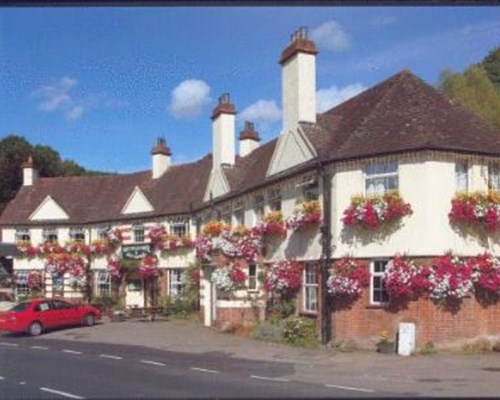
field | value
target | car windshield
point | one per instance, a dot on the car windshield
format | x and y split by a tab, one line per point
20	307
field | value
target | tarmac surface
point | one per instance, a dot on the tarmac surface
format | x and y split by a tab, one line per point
440	375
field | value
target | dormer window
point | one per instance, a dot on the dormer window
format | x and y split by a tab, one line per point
138	232
77	234
179	229
23	235
49	235
381	178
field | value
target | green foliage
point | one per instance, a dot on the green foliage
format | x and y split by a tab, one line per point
270	332
179	307
14	150
474	91
428	350
105	303
192	288
491	65
282	308
301	332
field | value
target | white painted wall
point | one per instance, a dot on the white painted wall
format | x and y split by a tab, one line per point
137	203
161	163
247	146
49	210
299	90
30	175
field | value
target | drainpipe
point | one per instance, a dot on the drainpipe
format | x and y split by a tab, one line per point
88	286
326	254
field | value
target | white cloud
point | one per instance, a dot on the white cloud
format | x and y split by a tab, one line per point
332	96
384	20
188	98
262	111
59	97
331	36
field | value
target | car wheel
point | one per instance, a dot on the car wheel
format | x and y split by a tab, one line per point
35	329
88	320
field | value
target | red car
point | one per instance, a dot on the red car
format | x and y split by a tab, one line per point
36	316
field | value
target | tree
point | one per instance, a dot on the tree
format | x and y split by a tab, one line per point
491	65
474	91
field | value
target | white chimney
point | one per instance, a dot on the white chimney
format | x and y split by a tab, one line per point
298	63
249	139
161	158
30	174
223	118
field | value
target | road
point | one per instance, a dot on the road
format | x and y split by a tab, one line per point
66	369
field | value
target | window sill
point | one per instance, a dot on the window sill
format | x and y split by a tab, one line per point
308	313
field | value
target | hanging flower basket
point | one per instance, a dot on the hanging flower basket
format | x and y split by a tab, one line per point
283	278
486	273
476	210
149	266
100	248
77	247
114	266
450	279
116	236
305	215
272	225
27	249
35	281
229	278
376	211
404	280
348	278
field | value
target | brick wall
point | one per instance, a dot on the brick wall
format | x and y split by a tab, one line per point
237	316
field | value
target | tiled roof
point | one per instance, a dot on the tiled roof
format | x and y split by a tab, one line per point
400	114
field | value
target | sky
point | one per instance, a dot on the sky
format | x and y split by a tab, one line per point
100	84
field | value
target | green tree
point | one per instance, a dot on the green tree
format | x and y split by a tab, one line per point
474	91
491	64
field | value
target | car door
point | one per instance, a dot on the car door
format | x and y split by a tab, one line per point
71	313
64	312
48	316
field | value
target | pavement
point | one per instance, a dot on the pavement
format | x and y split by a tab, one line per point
443	374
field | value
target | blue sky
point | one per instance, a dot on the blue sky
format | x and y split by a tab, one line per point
100	84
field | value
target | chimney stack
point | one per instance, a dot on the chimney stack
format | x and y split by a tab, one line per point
30	174
223	118
249	139
298	63
161	158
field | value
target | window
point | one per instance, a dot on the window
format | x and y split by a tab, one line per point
102	283
23	234
179	228
238	213
494	177
138	233
378	294
461	176
77	234
310	288
102	233
57	285
176	284
381	178
252	277
42	306
49	235
275	200
311	191
22	288
225	214
258	208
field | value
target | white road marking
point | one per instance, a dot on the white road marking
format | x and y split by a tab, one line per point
2	378
71	351
9	344
267	378
153	363
210	371
22	383
351	388
40	347
71	396
110	356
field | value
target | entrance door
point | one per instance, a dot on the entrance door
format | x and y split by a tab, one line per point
134	294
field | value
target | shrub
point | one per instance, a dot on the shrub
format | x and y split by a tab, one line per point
282	309
269	332
428	350
300	332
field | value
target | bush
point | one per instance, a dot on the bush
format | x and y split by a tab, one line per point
428	350
282	309
300	332
269	332
105	303
179	307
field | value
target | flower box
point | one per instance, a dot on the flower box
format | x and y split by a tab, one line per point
305	215
476	210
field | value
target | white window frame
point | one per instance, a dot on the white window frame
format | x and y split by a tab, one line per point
74	232
22	289
103	283
494	176
135	231
377	274
183	226
274	199
23	234
252	278
462	176
177	286
310	269
384	177
50	232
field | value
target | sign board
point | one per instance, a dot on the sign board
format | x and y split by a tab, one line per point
406	343
135	251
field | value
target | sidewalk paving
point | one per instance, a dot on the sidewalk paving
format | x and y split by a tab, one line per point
443	374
